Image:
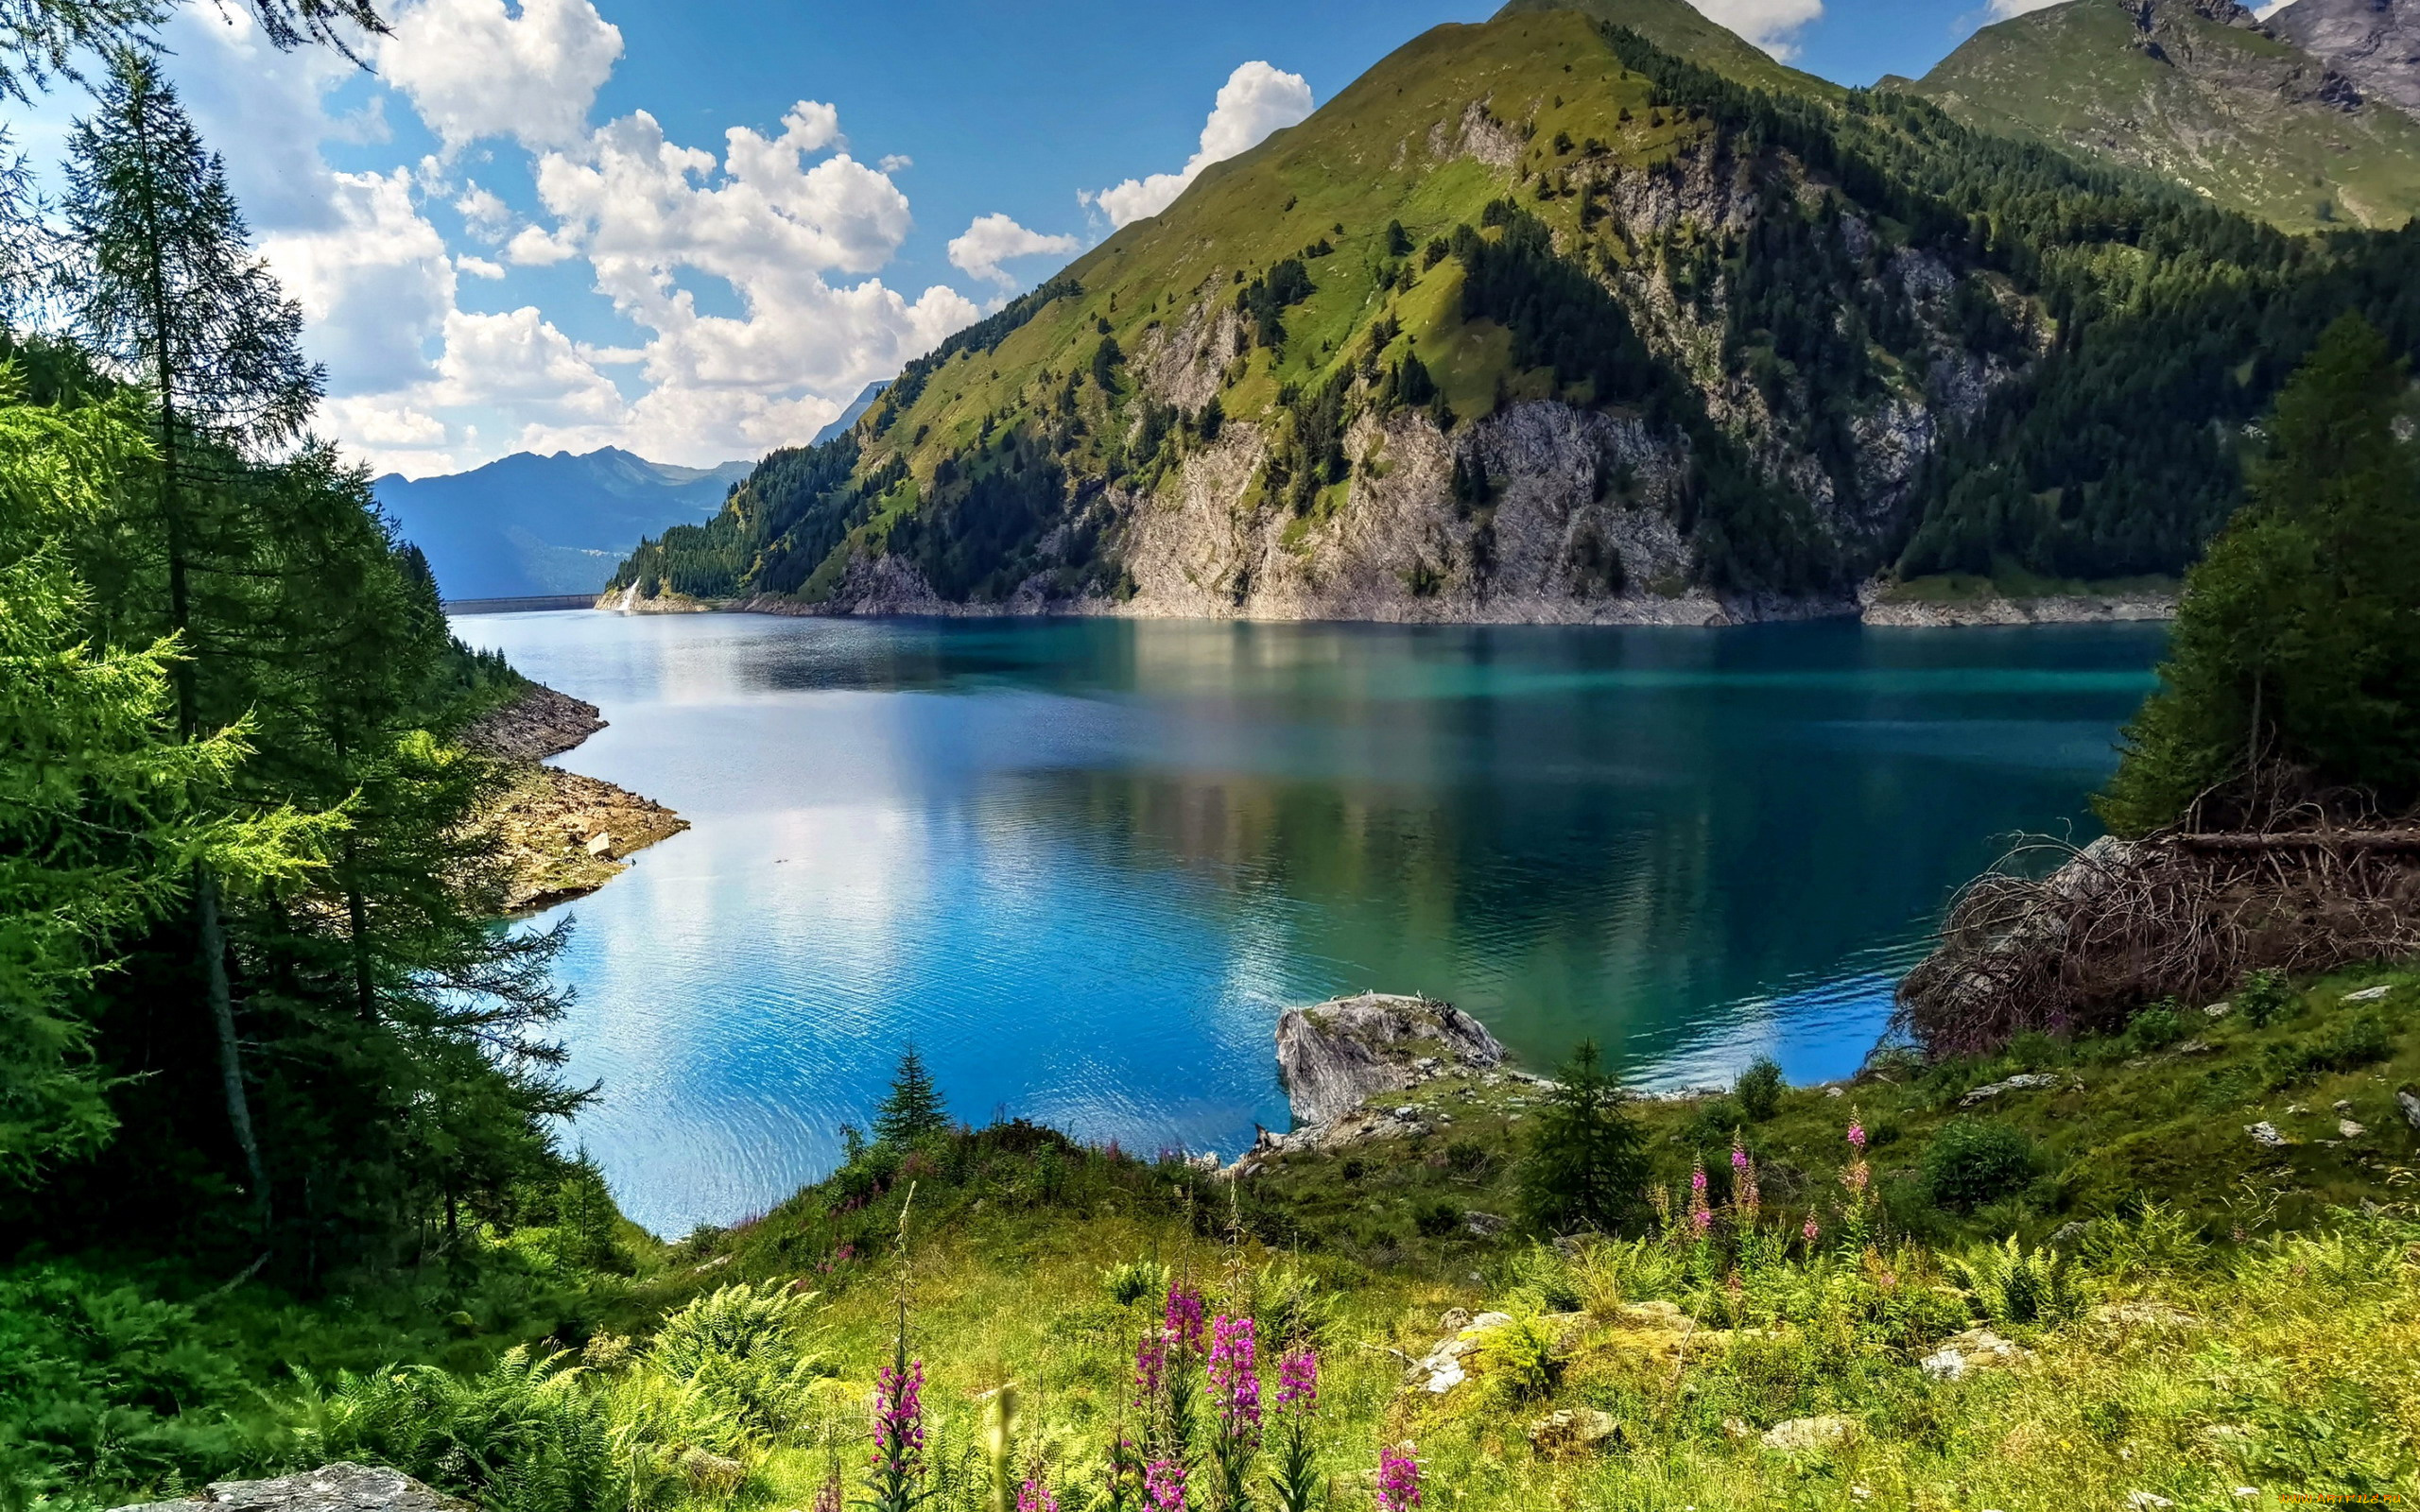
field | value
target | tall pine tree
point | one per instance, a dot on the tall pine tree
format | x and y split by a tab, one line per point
163	280
1586	1160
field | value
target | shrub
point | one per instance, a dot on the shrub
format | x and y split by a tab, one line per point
1519	1358
746	1351
2262	997
2155	1029
2353	1043
1542	1272
1437	1218
1758	1089
1130	1281
2005	1283
1975	1161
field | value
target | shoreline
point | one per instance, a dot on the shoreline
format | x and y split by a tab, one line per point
1871	606
564	834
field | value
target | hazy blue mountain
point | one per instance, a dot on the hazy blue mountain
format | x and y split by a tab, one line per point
528	524
849	415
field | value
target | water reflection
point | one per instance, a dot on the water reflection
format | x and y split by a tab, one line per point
1084	863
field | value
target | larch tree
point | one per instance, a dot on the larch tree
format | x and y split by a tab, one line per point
161	280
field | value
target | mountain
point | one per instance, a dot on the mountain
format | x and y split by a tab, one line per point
2374	43
2306	121
528	524
850	416
1542	319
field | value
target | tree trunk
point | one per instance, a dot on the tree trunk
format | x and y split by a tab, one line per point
211	928
231	1064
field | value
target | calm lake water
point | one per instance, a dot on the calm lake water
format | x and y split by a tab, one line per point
1085	863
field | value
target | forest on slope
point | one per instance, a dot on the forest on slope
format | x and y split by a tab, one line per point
1541	321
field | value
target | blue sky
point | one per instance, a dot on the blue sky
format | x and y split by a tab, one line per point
696	229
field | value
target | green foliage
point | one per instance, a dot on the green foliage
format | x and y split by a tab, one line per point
1130	1281
913	1110
2295	645
1758	1089
2262	997
1974	1161
1583	1166
2156	1028
748	1353
525	1436
106	1385
2008	1283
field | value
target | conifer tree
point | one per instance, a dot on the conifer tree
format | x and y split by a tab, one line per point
913	1110
164	281
2297	645
1586	1160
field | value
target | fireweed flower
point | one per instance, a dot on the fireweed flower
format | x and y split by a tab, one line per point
1739	1157
899	1415
1703	1219
1184	1315
1035	1497
1150	1364
1231	1378
1696	1181
1164	1487
1398	1482
1298	1382
1857	1135
1809	1232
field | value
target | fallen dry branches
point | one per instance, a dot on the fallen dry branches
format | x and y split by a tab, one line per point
2186	913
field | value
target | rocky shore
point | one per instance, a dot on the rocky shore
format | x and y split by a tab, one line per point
885	588
565	835
1346	1063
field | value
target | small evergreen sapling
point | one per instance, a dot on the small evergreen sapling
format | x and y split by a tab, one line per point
914	1110
1585	1165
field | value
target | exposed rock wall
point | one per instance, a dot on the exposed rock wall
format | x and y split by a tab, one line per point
340	1488
1334	1054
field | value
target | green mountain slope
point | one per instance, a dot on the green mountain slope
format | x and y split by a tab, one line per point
2194	90
1538	320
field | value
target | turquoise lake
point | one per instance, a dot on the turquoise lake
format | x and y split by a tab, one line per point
1085	863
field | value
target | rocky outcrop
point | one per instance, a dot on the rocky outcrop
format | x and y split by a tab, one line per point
1879	606
340	1487
1333	1055
539	722
564	835
2374	43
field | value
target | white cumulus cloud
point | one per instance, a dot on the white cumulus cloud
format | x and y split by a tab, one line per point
650	214
1257	99
472	69
994	239
1771	24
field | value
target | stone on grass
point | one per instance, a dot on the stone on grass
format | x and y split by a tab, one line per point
1974	1349
2023	1081
1802	1435
2265	1134
2369	994
1574	1433
2350	1129
343	1486
2410	1106
2143	1312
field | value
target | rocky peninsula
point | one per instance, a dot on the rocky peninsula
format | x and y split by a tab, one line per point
565	835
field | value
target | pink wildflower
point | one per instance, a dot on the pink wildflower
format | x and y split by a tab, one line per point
1232	1375
1298	1382
1809	1232
1164	1487
1150	1364
1184	1315
1739	1157
1035	1497
1697	1179
1703	1218
1398	1482
1857	1136
899	1415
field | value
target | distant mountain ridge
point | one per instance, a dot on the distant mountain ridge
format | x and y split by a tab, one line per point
526	524
2308	120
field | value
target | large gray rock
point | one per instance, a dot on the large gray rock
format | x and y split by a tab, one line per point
2376	42
1334	1054
340	1488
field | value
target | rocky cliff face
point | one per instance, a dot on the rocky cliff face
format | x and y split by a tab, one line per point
1335	1054
2374	43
